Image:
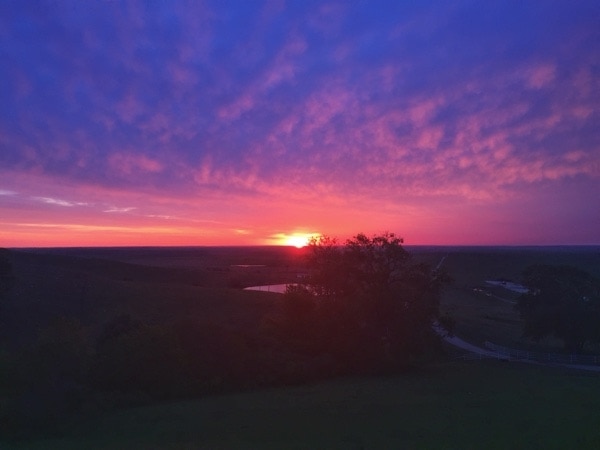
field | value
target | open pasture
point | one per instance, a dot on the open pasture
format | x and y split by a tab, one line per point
450	404
453	405
94	283
157	283
153	284
485	312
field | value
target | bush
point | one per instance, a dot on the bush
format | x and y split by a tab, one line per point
131	356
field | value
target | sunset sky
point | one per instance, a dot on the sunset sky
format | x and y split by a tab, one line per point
246	122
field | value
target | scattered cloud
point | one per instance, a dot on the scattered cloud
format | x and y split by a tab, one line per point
116	209
59	202
300	114
128	163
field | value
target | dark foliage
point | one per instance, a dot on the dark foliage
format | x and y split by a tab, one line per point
562	301
365	308
132	356
365	303
47	377
6	272
7	280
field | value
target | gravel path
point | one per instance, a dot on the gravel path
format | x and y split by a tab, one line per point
482	352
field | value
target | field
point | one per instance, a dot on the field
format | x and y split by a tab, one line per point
456	405
484	312
449	403
152	284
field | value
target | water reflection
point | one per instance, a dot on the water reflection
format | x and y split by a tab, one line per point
277	288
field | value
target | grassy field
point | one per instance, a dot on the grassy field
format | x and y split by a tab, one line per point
155	283
486	313
87	284
453	405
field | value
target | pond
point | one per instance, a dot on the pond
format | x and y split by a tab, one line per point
277	288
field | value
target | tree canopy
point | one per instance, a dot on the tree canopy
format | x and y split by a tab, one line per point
561	301
6	280
6	276
367	303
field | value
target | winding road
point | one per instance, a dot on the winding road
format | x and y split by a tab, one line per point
484	353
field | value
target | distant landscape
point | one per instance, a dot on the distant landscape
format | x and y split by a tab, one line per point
305	224
89	333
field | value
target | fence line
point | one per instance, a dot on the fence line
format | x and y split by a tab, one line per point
509	353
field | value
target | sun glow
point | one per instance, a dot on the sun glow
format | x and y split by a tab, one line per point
297	240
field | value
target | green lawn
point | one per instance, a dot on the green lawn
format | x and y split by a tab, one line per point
454	405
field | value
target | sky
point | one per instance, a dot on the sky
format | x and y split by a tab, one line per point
259	122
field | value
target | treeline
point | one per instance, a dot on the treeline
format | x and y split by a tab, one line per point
366	303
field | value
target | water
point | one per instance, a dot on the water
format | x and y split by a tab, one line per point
277	288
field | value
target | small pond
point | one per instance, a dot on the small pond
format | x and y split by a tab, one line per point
277	288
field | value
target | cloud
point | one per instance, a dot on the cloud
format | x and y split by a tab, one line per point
541	75
130	163
281	69
129	108
116	209
59	202
263	107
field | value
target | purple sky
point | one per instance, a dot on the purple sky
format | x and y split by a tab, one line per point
243	122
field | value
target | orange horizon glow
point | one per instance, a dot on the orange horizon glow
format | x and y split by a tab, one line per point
298	240
294	239
39	235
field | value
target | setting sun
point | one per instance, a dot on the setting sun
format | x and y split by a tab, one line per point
297	240
176	153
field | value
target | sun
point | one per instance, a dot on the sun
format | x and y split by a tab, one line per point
297	240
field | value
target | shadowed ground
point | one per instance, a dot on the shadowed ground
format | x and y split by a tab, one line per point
452	404
456	405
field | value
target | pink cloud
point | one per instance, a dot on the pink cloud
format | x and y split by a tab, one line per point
476	156
575	156
225	179
584	81
129	163
420	112
129	108
540	76
582	111
283	68
323	106
108	121
181	75
430	137
239	106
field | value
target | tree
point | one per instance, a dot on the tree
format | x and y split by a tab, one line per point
7	281
561	301
367	302
6	272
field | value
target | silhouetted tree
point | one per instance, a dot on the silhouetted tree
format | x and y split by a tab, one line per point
370	305
6	272
561	301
